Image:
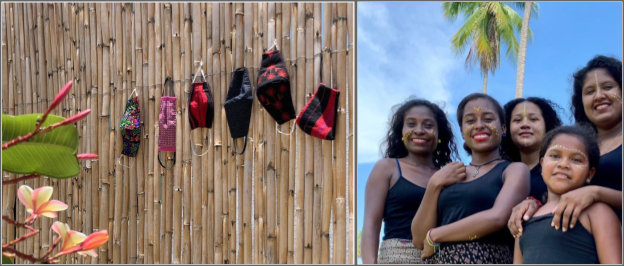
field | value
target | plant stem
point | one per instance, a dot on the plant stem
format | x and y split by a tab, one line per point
30	258
24	237
16	223
13	181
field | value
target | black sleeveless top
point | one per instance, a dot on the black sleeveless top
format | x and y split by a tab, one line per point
609	173
539	191
542	244
402	202
463	199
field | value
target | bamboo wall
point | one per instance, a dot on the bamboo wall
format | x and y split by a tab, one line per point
286	200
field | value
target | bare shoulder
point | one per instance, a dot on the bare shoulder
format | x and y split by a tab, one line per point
383	169
516	170
599	209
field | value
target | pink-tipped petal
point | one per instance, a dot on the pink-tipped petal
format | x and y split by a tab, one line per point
95	240
49	214
60	96
87	156
40	196
88	252
24	194
53	206
75	118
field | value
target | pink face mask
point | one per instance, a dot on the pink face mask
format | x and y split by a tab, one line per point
167	123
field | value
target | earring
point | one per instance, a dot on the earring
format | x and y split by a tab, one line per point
504	134
588	180
439	141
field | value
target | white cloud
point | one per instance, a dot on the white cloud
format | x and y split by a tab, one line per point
403	50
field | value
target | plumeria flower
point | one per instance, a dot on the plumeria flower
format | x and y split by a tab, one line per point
73	241
38	202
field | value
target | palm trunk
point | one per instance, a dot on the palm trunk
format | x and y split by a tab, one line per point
485	78
522	52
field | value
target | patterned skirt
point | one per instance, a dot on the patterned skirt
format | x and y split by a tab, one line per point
398	251
471	253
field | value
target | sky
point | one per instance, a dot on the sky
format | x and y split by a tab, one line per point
404	49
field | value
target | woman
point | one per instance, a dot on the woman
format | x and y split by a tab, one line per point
596	100
529	120
419	142
464	211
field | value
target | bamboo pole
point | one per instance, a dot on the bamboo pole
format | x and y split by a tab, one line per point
272	255
195	204
186	205
219	192
91	137
208	219
318	155
339	211
300	162
104	124
151	136
30	82
226	68
207	163
258	165
127	71
144	189
327	145
158	175
136	177
282	218
20	93
169	174
351	102
291	174
309	142
118	190
177	75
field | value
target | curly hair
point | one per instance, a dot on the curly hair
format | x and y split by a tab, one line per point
611	64
551	121
582	132
499	110
445	152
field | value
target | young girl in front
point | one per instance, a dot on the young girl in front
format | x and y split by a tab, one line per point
569	156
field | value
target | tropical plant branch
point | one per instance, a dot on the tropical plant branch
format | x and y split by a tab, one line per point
30	258
13	181
18	224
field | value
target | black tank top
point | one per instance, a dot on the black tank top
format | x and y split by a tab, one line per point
463	199
539	191
609	173
542	244
402	202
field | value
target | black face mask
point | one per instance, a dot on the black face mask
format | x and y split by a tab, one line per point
238	105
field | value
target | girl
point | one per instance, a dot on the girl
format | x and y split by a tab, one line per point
569	156
464	222
597	100
529	120
419	142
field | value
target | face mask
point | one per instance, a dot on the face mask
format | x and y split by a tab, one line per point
167	122
274	88
318	116
238	105
131	127
201	106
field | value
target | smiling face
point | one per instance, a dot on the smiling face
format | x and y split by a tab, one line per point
481	126
565	165
527	126
420	130
602	98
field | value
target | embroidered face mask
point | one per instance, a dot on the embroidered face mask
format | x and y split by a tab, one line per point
318	116
130	127
238	105
167	122
201	105
274	88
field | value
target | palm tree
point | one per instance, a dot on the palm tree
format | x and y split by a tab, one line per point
488	25
524	35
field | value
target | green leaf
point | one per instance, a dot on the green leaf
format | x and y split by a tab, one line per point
6	260
52	154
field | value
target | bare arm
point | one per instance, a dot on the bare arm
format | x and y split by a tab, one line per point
375	199
517	258
515	189
427	214
609	196
605	226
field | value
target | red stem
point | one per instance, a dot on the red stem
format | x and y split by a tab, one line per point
13	181
30	258
52	248
24	237
16	223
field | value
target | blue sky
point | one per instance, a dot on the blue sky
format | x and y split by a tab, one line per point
404	49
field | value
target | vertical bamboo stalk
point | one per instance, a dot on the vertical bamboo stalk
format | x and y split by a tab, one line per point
118	190
186	207
135	212
104	123
30	84
273	257
195	204
91	137
219	192
151	136
169	174
225	70
309	142
318	155
44	72
340	163
270	155
208	160
300	163
351	102
334	71
282	218
158	219
258	147
127	70
177	169
291	174
143	172
327	145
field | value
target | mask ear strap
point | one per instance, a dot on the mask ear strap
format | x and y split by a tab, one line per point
274	45
201	65
291	130
193	150
133	92
119	162
174	161
244	147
